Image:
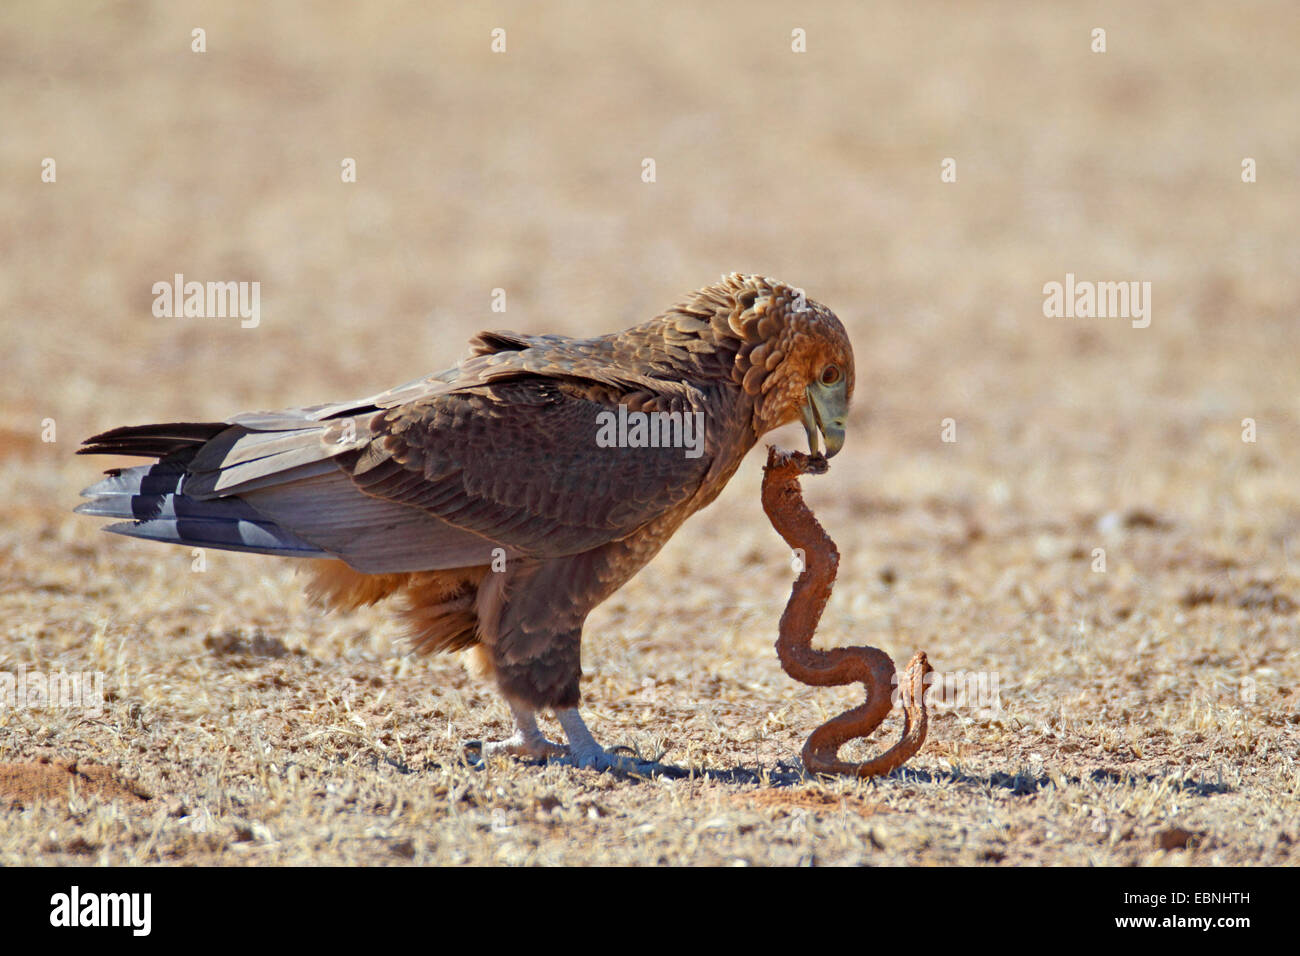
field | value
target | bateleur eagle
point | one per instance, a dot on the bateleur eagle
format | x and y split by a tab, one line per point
485	495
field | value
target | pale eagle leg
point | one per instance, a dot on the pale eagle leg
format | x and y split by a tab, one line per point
584	752
527	741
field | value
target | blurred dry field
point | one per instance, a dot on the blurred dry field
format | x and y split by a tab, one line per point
1149	713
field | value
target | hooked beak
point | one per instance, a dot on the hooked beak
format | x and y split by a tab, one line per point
825	412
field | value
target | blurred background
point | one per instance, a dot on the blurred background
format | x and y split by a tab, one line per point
522	170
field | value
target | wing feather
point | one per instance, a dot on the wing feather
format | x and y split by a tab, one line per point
499	452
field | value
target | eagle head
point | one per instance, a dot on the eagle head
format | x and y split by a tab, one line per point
794	358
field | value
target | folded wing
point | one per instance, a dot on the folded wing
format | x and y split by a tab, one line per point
500	452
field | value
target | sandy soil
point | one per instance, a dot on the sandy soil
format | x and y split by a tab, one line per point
1147	713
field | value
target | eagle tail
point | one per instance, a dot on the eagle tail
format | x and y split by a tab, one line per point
152	502
175	440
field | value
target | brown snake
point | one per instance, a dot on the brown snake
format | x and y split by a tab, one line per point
784	504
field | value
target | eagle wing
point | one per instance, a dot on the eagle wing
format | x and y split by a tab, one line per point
499	452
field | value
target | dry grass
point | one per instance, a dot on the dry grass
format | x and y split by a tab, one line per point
1149	714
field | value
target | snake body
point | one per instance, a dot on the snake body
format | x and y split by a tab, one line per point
794	521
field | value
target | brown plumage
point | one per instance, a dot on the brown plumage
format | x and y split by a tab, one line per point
486	495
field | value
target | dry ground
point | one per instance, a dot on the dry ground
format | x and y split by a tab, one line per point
1149	714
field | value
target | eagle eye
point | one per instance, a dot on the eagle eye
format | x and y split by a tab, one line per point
830	374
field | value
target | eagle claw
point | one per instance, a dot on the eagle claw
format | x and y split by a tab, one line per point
605	760
516	745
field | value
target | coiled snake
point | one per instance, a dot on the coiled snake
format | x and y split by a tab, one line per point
783	502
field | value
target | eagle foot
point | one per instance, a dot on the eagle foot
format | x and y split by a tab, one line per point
615	761
516	745
585	753
527	741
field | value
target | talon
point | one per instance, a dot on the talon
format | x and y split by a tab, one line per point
585	753
609	761
527	741
516	746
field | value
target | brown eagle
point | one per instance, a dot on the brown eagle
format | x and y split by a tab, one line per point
506	497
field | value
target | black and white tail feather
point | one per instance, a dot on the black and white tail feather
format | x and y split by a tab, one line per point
152	504
276	483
